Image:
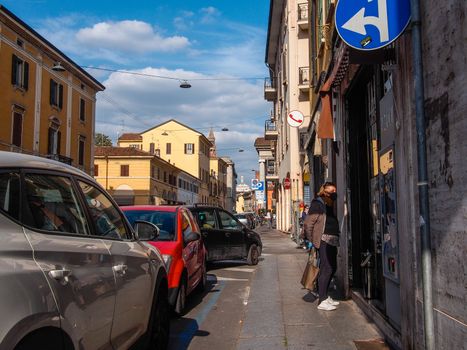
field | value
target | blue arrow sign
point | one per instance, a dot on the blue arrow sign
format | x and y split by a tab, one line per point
371	24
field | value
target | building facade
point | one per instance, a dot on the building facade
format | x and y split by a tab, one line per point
180	146
231	183
136	177
287	56
47	102
362	135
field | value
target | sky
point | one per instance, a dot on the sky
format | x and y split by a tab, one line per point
217	46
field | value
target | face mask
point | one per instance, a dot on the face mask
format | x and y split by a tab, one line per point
333	196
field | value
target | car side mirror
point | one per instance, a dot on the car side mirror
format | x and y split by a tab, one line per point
146	231
192	236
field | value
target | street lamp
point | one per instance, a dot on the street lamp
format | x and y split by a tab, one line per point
57	67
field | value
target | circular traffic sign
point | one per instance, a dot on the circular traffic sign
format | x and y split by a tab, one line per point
287	183
371	24
295	119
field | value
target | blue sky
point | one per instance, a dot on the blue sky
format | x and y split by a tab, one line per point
193	40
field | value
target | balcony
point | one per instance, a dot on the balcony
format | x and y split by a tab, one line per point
302	17
304	79
270	91
60	158
270	130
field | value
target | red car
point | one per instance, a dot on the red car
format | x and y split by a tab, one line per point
181	246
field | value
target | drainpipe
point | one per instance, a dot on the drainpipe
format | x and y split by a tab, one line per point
425	237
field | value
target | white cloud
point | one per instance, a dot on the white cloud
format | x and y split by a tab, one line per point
209	14
184	21
129	36
138	103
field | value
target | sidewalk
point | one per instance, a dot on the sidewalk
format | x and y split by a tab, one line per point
282	315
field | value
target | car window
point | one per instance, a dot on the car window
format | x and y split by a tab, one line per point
9	194
54	205
106	217
206	218
164	220
228	222
186	225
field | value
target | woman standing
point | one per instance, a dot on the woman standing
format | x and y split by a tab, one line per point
322	228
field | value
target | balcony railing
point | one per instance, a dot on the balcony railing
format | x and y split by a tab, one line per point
302	17
271	170
270	130
270	91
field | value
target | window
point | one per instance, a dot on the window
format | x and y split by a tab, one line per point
82	109
17	134
9	190
189	148
107	219
228	222
164	220
124	170
19	73
165	176
151	148
206	218
53	204
19	42
53	146
180	183
96	170
56	94
186	225
81	150
168	148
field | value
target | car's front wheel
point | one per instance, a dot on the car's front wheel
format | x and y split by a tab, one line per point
253	255
160	322
181	298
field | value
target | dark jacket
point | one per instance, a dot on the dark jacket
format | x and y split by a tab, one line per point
313	226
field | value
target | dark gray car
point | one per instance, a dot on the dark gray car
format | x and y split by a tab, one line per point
73	273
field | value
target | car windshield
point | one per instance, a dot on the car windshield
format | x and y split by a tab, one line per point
240	216
162	219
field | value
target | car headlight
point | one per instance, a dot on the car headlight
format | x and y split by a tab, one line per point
167	261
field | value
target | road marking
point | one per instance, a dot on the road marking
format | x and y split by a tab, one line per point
246	295
239	269
219	278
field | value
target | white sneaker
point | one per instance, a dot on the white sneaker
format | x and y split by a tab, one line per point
331	301
325	306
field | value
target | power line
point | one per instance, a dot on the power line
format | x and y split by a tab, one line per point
170	78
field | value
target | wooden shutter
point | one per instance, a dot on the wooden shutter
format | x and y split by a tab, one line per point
14	69
60	96
96	170
26	76
59	137
50	146
17	129
52	93
82	110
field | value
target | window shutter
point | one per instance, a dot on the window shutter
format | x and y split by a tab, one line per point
26	76
14	69
60	96
82	109
52	92
193	148
186	146
17	129
59	137
50	146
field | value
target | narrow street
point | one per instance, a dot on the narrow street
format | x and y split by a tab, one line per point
264	307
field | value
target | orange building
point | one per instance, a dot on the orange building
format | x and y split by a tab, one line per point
47	101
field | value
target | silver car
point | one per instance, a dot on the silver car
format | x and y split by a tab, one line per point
73	273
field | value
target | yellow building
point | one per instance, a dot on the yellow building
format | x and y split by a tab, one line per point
47	102
179	145
133	176
218	175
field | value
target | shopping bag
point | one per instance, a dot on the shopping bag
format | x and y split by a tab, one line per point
310	274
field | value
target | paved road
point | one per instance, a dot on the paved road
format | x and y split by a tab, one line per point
264	307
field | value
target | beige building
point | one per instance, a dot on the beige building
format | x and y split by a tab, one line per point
287	56
180	146
47	101
133	176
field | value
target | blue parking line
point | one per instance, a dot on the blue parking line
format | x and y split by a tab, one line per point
184	338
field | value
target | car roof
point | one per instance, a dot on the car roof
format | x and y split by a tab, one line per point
21	160
166	208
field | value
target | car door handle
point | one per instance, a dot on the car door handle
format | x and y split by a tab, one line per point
60	275
120	269
227	234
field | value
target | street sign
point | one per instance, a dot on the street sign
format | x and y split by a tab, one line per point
254	184
371	24
287	183
260	186
295	119
259	196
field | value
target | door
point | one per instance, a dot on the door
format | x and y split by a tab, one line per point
77	266
213	239
135	279
191	251
233	232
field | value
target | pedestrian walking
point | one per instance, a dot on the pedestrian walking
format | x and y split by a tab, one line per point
321	227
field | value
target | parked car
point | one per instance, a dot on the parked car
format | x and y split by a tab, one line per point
73	273
252	219
181	246
244	219
225	237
